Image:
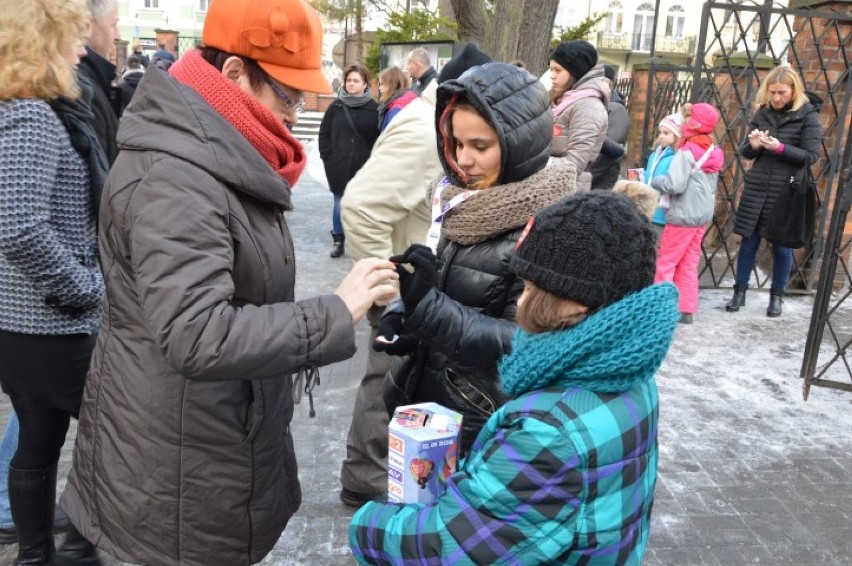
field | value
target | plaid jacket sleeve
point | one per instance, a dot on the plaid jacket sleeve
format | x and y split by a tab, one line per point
515	501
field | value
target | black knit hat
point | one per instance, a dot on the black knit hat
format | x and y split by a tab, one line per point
469	56
577	57
593	247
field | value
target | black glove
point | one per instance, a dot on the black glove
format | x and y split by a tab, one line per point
389	326
414	286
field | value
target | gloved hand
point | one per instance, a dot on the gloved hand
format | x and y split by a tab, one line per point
414	286
390	338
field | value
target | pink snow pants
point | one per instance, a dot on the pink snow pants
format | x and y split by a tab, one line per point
677	261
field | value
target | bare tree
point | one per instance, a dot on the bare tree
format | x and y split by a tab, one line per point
509	29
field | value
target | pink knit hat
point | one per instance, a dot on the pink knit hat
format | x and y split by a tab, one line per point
672	122
702	120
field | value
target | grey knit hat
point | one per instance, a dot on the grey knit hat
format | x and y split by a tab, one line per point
594	248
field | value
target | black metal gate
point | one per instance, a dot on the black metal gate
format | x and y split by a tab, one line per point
738	44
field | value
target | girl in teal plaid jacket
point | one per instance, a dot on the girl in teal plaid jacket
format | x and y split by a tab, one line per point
565	472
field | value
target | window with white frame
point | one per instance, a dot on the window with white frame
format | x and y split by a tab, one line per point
643	25
152	4
203	5
675	20
614	18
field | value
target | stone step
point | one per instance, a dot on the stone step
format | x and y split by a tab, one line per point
308	127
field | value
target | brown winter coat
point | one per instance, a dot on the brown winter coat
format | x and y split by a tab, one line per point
184	454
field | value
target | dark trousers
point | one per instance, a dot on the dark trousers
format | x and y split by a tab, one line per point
44	377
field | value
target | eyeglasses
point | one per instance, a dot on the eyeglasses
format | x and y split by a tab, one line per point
289	103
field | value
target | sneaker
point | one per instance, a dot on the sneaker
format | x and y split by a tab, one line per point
355	499
686	318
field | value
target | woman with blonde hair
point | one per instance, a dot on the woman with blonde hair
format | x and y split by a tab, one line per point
50	283
394	95
784	138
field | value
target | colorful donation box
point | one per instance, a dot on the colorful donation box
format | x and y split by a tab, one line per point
422	452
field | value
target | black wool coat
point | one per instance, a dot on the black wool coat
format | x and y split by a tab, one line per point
800	132
342	149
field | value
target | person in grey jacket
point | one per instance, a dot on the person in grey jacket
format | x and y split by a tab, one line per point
691	183
184	454
51	287
606	167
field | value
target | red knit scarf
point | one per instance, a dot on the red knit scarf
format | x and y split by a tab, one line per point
255	122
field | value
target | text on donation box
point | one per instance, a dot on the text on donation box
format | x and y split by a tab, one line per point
422	452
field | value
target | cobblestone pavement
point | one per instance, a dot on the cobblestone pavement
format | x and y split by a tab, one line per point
749	473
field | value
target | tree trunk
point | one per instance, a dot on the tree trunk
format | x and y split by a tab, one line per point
471	18
359	29
518	29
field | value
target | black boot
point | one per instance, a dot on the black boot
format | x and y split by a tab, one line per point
32	495
337	250
738	300
775	301
76	551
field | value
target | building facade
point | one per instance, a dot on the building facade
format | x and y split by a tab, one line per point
626	34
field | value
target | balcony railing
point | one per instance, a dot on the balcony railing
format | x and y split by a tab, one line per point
642	42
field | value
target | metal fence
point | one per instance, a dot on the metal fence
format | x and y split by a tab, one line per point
737	46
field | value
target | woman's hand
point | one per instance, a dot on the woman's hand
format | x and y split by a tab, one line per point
368	282
754	138
769	143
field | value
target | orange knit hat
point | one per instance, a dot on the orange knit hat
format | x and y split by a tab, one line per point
283	36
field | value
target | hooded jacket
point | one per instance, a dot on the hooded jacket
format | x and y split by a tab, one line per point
801	133
466	324
184	454
579	131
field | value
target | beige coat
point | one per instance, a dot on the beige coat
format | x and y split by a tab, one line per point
384	208
580	130
184	454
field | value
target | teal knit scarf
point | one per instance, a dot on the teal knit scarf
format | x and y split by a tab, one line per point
611	351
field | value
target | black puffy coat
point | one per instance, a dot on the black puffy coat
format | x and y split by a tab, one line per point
454	334
342	149
800	132
467	324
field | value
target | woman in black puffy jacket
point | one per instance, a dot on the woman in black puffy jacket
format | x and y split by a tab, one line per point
784	138
456	314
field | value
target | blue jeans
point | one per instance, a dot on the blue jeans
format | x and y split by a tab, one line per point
782	262
8	446
336	223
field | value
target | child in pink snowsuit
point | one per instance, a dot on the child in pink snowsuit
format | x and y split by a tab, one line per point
691	184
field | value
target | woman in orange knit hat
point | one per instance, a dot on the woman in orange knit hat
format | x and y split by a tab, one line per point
184	453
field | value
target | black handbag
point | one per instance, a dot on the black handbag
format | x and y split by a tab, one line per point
793	218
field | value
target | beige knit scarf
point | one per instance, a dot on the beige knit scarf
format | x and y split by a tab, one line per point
505	207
